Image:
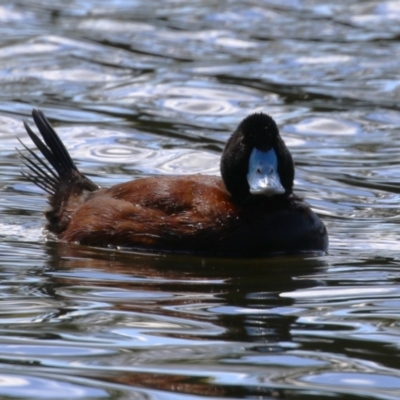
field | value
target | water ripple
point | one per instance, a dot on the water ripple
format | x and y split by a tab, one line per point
139	88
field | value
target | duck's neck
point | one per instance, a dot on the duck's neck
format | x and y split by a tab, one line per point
249	200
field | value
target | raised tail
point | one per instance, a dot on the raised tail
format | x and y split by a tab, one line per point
59	177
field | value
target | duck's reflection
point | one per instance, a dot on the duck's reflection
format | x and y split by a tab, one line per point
239	299
242	295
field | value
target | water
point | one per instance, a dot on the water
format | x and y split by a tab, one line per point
145	87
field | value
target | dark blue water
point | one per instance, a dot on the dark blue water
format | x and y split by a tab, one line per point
139	88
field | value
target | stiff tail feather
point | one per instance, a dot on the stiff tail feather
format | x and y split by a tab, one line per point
59	176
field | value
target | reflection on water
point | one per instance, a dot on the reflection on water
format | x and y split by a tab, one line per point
166	313
140	88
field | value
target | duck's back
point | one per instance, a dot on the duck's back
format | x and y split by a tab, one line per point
157	213
192	214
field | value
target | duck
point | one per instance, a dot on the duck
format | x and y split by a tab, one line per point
248	211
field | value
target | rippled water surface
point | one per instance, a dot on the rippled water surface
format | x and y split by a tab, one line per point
138	88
